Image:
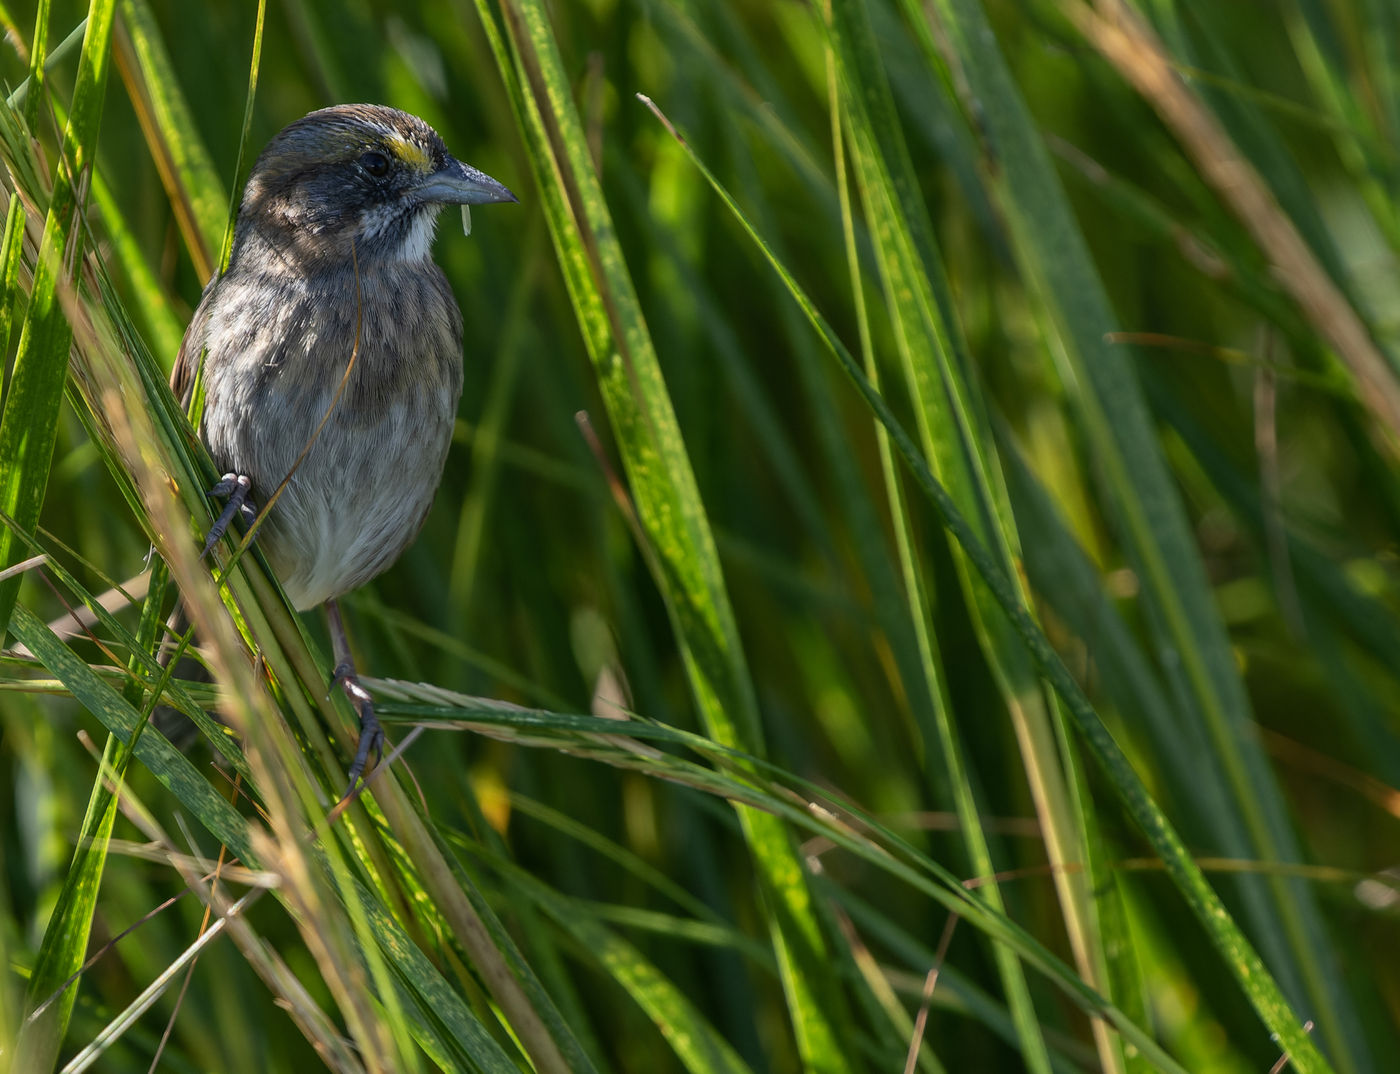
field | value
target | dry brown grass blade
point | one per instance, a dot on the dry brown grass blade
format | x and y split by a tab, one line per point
129	67
1128	43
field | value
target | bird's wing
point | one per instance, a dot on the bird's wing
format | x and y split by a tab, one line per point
182	377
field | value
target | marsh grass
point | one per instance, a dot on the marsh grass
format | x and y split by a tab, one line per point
914	585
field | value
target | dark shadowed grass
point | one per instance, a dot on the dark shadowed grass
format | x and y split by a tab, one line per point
913	587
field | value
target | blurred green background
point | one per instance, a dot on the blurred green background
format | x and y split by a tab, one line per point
1144	409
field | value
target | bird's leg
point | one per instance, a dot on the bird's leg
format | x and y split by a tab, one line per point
237	488
371	734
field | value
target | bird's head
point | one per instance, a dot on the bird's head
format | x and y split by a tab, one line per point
356	175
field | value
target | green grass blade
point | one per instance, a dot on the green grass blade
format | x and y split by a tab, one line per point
11	297
444	1024
1141	496
865	91
1241	958
65	940
830	594
163	327
956	440
29	422
39	54
700	1049
747	782
672	517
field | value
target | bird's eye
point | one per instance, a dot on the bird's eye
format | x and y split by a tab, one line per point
377	164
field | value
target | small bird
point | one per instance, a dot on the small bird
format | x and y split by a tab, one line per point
332	271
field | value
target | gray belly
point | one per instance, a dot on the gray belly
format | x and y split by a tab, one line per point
353	503
351	509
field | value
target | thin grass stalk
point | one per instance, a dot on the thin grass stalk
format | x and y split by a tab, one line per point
1032	1043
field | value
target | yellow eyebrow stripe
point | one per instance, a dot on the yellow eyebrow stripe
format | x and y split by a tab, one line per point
411	154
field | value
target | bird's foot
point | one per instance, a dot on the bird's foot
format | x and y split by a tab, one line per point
371	733
237	488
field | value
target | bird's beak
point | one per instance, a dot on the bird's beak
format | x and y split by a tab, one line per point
456	183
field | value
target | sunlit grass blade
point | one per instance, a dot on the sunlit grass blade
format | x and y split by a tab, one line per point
163	327
957	442
11	297
119	717
27	433
38	58
672	517
1235	949
420	986
924	336
143	673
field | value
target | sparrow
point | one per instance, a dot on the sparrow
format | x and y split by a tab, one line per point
330	352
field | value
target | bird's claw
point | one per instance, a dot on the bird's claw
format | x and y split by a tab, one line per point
343	671
237	488
371	732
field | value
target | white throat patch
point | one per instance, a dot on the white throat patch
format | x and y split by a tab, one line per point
416	243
